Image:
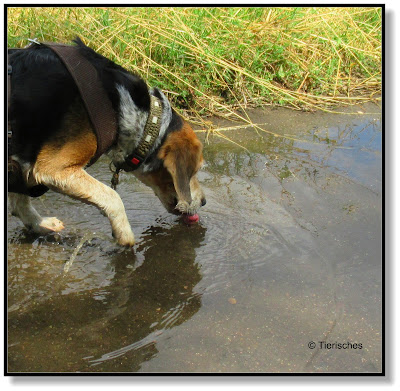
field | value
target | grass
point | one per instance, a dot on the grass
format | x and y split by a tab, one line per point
218	60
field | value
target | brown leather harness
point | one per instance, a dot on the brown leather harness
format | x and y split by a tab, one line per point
97	103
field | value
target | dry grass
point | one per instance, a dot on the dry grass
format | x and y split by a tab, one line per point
219	60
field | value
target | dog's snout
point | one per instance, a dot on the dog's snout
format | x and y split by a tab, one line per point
203	202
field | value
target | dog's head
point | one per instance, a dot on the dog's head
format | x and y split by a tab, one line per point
175	182
175	157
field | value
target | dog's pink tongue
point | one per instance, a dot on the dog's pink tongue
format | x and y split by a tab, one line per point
190	219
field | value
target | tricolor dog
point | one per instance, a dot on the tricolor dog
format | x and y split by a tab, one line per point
53	139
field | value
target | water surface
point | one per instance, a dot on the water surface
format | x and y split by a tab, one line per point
287	252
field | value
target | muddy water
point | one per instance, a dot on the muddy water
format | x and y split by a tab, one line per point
287	252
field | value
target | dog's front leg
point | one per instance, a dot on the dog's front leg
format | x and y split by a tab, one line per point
78	184
21	207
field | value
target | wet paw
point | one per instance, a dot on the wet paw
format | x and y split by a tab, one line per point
126	239
48	225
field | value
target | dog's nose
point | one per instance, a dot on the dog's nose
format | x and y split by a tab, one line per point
203	202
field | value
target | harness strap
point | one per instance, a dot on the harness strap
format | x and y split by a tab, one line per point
96	100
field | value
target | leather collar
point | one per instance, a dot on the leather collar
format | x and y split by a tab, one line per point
150	135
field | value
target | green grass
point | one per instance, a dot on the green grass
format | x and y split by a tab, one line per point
217	60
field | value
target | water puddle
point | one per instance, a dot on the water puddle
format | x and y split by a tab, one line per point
287	252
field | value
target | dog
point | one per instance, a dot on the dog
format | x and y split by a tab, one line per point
54	140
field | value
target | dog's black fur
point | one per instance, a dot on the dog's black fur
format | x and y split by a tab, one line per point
43	90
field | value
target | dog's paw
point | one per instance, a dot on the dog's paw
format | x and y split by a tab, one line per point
126	239
48	225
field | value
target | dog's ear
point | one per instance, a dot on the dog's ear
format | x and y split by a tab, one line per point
134	85
182	157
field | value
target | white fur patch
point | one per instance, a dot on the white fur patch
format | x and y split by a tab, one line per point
131	125
132	122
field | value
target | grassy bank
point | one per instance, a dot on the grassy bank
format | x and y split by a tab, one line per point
216	60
